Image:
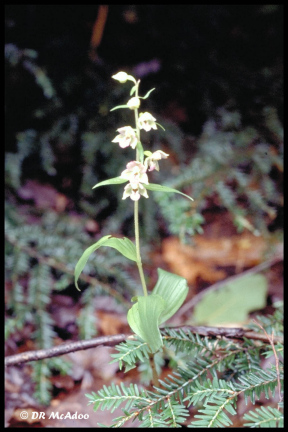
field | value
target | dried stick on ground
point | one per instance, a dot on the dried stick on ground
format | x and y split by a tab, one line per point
236	333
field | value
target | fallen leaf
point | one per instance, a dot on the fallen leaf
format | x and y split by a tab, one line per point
43	195
110	323
232	302
208	254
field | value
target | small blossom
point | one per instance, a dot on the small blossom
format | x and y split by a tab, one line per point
134	192
146	121
126	137
133	103
152	160
136	173
122	77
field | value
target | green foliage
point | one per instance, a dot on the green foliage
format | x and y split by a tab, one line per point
214	400
149	312
123	245
233	164
38	261
26	58
264	417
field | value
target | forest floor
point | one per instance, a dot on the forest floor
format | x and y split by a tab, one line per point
217	254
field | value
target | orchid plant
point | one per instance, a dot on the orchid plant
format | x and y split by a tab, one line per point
151	309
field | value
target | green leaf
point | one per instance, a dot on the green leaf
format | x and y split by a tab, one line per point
173	289
143	319
140	151
118	107
160	126
148	153
123	245
160	188
232	302
114	180
133	89
147	94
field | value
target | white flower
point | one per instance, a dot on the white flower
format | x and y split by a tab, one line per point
136	173
134	193
133	103
122	77
146	121
126	137
152	160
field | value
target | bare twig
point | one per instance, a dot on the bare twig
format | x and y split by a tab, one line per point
64	349
236	333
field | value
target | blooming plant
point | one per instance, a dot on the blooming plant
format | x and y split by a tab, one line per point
149	310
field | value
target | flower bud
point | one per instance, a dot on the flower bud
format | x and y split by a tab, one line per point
133	103
121	77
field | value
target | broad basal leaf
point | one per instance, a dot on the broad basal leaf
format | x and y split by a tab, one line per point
173	289
143	319
160	188
232	302
123	245
115	180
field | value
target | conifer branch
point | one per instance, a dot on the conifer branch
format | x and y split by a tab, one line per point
51	262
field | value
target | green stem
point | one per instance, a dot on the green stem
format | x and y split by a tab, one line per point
155	381
136	208
139	262
136	120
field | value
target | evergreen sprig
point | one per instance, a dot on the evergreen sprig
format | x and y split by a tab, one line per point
264	417
130	352
38	263
236	370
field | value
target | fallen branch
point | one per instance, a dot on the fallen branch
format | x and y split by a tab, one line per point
64	349
236	333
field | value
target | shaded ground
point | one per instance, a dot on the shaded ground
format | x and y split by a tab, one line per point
213	256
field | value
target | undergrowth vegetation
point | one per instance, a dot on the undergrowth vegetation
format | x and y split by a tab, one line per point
234	164
216	374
